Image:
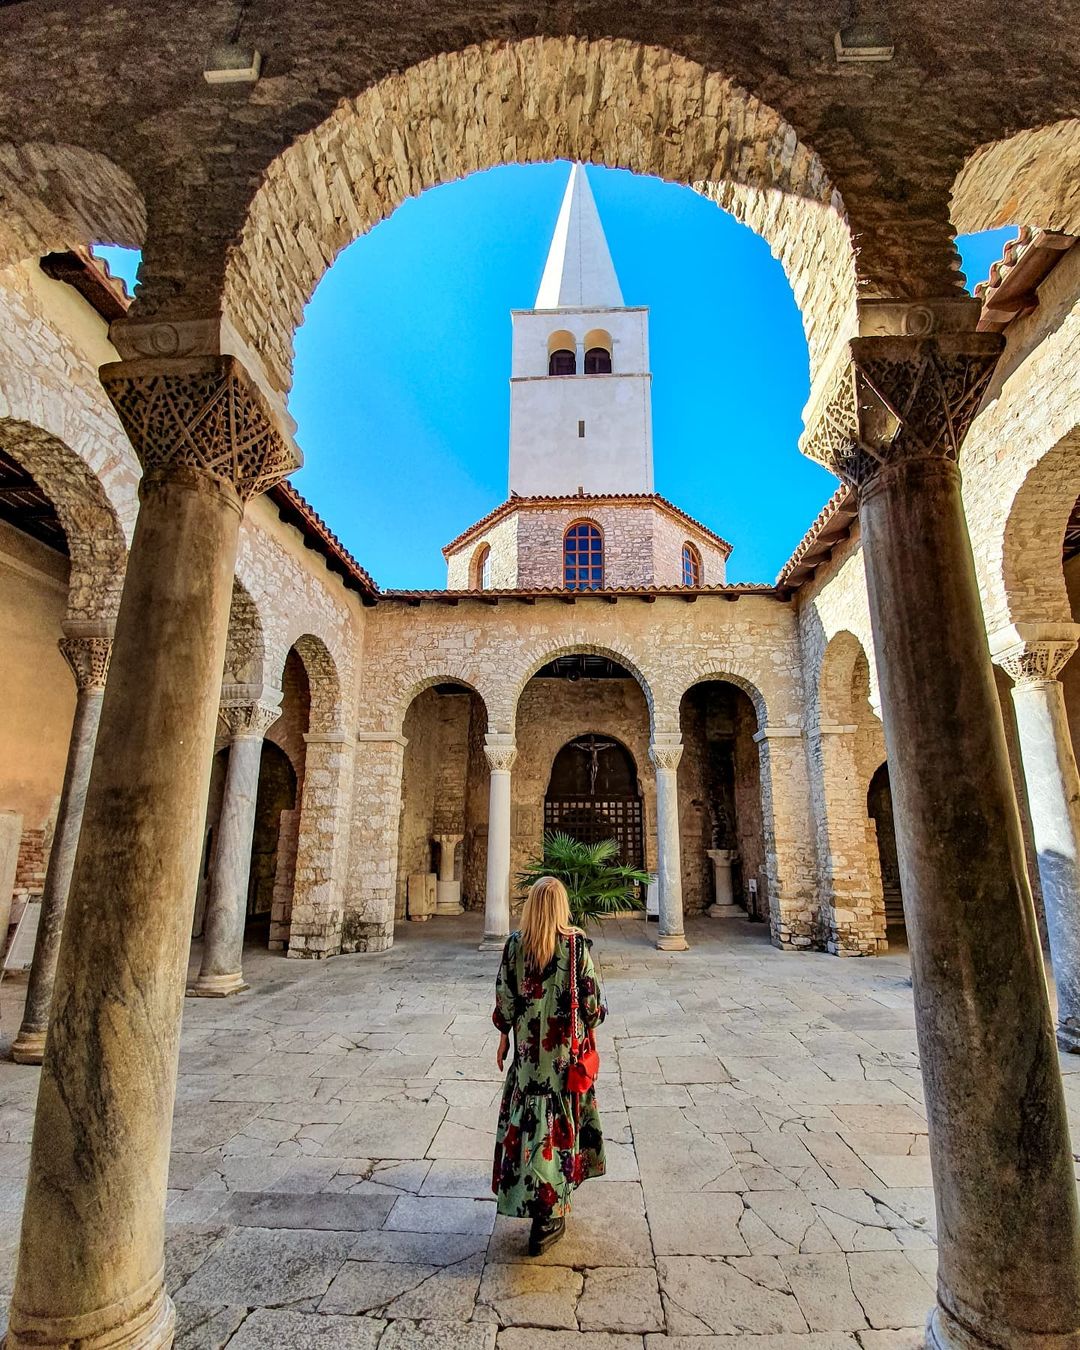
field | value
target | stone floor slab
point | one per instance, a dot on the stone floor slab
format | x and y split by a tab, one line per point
275	1329
620	1299
533	1296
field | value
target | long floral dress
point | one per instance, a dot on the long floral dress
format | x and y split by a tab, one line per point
548	1140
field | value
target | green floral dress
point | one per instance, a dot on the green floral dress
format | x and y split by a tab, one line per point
548	1140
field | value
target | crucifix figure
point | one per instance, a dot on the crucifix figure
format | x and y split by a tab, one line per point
592	746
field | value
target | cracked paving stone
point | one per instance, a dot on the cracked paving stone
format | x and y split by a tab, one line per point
268	1267
187	1246
696	1225
532	1296
531	1338
436	1335
339	1213
620	1300
272	1329
199	1327
822	1287
726	1296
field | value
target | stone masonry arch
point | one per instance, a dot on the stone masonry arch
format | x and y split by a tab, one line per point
1032	178
245	650
703	671
612	101
95	538
503	716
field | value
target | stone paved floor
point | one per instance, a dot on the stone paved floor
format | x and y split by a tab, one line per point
769	1180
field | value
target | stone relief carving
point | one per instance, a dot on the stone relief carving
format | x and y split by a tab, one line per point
88	658
207	414
1036	662
248	719
500	758
666	757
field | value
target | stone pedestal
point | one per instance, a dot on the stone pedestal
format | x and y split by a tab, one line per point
88	657
1053	792
220	972
448	888
666	756
1008	1232
11	829
501	753
420	896
90	1270
723	905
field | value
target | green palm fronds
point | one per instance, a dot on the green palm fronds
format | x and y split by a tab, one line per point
596	882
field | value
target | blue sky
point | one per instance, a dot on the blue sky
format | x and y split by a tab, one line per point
401	392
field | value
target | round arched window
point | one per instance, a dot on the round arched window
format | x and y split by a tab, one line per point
691	566
480	571
562	362
583	557
598	361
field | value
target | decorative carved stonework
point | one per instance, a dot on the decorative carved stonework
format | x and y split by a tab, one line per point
901	398
1032	663
666	757
500	758
248	719
204	412
88	658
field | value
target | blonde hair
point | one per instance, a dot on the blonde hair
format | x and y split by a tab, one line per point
545	916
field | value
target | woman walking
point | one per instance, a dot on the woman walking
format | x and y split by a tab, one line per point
548	1138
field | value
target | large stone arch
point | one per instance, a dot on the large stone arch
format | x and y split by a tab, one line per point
96	543
403	698
610	101
503	715
726	672
324	679
1032	178
56	196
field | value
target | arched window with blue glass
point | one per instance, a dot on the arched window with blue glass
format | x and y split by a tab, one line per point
583	556
691	565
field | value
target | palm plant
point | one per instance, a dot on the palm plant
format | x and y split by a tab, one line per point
596	882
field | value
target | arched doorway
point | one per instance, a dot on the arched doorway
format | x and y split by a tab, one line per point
276	796
880	810
593	794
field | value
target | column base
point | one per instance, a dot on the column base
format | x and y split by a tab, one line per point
217	986
493	942
28	1047
672	942
944	1332
732	911
151	1327
448	898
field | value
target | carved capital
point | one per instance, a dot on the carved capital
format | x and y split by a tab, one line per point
666	756
500	758
248	719
205	413
88	658
1033	663
897	398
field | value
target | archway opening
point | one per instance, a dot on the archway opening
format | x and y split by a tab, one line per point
880	810
273	846
721	823
593	794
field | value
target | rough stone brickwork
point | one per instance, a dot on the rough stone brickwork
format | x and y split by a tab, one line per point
407	134
31	865
643	544
1030	179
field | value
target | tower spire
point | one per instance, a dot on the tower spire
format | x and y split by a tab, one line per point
579	273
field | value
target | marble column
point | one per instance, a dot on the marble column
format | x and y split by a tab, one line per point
1008	1233
501	753
665	756
723	905
1053	792
87	653
90	1269
448	888
221	968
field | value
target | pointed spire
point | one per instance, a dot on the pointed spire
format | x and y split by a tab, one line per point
579	273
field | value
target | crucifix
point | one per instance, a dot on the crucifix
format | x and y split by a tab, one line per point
592	746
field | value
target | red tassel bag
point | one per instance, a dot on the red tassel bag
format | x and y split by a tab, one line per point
584	1056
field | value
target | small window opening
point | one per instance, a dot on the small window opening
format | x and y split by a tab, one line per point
581	428
562	362
597	361
583	557
691	566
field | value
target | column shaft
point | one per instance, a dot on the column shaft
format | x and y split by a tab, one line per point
1053	790
497	891
1009	1254
90	1263
220	972
671	937
29	1044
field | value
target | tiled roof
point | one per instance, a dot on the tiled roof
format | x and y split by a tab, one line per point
833	522
594	498
1011	288
610	594
297	511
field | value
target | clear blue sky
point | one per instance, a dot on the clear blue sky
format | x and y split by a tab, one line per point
401	392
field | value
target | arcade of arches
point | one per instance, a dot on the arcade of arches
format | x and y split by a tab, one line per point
217	725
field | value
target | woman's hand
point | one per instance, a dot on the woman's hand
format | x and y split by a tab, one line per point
504	1046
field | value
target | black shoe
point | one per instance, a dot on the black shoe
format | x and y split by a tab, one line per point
544	1234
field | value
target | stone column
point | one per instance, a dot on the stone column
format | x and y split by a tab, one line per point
666	755
1053	791
501	753
1009	1240
90	1266
221	969
723	905
448	889
88	657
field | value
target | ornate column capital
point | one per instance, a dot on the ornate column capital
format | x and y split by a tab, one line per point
250	719
1033	663
907	388
666	756
203	412
88	658
500	758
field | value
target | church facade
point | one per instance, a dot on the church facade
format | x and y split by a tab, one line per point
588	666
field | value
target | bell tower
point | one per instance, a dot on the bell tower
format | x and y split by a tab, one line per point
580	387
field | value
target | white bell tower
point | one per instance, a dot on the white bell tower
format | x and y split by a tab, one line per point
580	387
